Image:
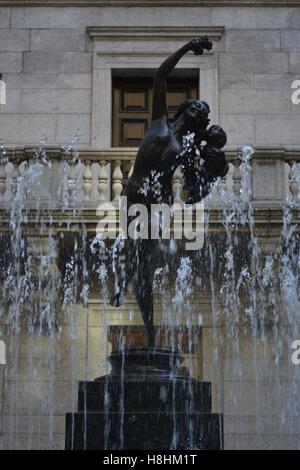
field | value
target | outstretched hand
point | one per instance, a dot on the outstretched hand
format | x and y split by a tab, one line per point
198	45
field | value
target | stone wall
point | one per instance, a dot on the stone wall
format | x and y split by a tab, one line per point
46	61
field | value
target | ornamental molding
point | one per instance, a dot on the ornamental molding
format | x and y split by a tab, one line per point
128	153
149	3
133	33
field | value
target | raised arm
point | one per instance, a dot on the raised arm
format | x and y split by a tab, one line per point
159	105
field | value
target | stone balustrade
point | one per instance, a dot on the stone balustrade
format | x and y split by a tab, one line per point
88	177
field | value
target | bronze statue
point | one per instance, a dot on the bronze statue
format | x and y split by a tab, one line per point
160	153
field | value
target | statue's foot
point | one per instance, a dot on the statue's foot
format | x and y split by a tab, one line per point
117	299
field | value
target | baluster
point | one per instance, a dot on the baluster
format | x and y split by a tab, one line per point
223	184
30	162
2	179
14	176
131	168
117	179
87	180
102	180
177	185
293	183
237	177
71	180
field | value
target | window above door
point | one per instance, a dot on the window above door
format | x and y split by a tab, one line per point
132	103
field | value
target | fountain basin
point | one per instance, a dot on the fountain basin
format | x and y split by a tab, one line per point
143	360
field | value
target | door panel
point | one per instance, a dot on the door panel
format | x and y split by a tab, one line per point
132	102
134	99
132	130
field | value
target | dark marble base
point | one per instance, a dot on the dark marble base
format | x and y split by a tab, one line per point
153	431
144	404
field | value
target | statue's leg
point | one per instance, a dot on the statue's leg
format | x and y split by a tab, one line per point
144	288
125	268
144	296
118	296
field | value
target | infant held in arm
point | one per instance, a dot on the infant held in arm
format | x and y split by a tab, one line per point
212	165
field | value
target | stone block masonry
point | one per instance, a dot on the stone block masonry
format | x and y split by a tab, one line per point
48	78
47	50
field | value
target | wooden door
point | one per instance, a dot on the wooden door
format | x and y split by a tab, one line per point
132	101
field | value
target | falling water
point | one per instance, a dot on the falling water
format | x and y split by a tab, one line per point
42	321
231	304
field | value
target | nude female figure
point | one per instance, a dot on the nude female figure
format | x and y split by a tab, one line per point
158	157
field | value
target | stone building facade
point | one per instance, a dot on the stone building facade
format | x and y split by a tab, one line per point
50	58
58	60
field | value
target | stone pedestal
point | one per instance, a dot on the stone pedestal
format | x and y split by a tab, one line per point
144	404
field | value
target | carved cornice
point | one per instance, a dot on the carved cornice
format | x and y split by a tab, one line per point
149	3
153	32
